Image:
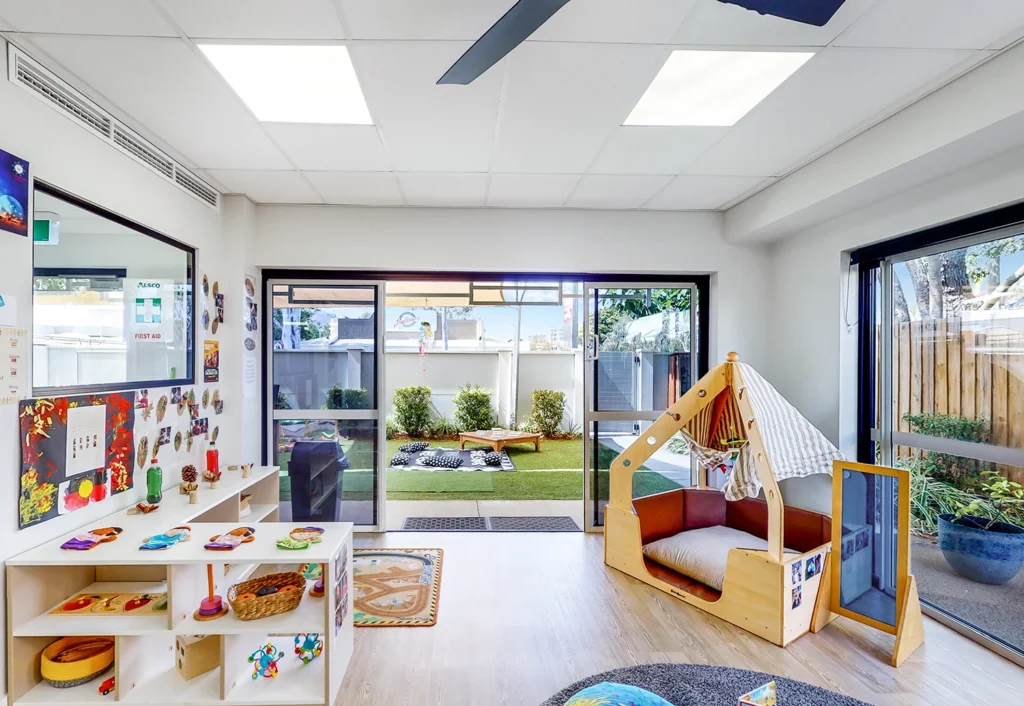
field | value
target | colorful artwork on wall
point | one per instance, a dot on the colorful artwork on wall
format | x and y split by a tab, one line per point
13	194
54	484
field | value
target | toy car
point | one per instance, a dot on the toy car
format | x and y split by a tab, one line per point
107	686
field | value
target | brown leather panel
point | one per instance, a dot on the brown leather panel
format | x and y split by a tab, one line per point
703	508
660	515
805	530
681	582
749	515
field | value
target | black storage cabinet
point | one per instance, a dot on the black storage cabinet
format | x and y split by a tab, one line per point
316	471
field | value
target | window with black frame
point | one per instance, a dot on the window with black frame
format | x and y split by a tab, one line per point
111	301
942	394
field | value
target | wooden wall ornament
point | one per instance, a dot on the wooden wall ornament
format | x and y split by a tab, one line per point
908	625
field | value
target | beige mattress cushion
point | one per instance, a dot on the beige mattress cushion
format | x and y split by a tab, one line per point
703	553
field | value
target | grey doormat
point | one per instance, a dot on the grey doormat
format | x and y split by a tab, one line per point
555	523
701	685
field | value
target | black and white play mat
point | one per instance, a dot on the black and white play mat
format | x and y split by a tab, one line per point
440	459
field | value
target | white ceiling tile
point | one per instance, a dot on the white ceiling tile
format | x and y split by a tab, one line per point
267	186
530	190
833	94
170	91
328	148
427	127
443	189
655	150
357	188
256	19
124	17
934	24
647	22
422	19
714	23
703	192
615	191
561	102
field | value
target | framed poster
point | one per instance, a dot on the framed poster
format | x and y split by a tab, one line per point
211	361
13	194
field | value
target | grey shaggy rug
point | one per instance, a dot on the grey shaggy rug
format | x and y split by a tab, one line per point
699	685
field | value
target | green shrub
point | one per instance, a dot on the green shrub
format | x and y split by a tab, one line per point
283	400
963	472
412	410
339	397
391	429
548	410
473	408
443	428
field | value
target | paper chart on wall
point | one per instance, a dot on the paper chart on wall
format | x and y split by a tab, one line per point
250	337
86	442
13	364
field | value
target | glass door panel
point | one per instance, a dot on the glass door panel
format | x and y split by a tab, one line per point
641	358
324	369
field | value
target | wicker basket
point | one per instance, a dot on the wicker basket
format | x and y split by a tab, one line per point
265	606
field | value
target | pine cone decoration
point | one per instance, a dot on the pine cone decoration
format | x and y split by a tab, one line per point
189	474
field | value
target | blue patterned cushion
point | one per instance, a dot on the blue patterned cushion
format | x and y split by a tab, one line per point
609	694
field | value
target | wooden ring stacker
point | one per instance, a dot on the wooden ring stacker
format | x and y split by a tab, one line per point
318	588
211	607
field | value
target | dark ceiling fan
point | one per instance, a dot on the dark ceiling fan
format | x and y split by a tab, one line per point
526	17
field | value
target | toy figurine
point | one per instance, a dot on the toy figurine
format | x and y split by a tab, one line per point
264	661
308	646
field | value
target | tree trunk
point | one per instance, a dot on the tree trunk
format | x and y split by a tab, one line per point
934	287
918	270
956	285
901	311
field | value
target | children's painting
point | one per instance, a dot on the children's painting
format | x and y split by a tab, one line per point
74	452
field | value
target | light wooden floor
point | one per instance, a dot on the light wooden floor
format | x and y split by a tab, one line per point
523	615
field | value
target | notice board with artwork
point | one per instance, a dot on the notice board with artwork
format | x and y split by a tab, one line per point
75	451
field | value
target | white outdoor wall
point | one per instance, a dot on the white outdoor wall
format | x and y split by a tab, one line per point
548	371
813	362
507	240
445	373
66	155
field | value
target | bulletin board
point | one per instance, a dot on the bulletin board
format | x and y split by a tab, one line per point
73	454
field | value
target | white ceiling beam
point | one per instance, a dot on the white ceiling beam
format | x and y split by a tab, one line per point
971	119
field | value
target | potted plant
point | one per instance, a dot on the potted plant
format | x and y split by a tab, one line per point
985	549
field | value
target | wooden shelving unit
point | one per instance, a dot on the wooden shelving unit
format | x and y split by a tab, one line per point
144	666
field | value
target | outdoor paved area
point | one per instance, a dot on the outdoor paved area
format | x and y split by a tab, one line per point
398	510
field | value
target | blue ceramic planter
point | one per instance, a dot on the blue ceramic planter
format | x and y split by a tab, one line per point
991	556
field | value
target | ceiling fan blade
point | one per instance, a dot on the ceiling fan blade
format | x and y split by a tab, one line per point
522	20
809	12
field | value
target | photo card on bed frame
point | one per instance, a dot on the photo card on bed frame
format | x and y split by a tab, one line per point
871	580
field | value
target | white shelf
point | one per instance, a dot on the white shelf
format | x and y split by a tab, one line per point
169	687
296	683
62	625
42	694
259	512
310	616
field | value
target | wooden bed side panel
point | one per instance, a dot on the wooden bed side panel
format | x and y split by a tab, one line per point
660	515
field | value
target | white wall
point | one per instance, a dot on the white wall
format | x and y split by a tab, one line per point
813	362
444	372
564	241
66	155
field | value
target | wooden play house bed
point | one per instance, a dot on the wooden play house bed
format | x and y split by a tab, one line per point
748	560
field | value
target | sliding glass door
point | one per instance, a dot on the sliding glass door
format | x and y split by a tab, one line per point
326	429
942	394
641	356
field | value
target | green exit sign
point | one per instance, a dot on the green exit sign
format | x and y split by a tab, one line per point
45	232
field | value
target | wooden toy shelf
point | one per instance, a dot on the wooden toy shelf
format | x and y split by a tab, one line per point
44	578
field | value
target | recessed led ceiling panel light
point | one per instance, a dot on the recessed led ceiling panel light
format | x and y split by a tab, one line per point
293	83
713	88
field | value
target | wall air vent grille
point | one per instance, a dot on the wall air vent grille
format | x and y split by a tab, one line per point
30	75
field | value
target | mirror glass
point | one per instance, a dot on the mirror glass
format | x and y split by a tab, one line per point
111	305
868	562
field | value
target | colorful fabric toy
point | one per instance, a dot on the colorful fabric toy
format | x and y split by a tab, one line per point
92	538
168	539
230	540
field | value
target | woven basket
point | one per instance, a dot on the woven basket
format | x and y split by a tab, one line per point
265	606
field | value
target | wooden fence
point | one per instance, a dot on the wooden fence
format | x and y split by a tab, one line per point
971	370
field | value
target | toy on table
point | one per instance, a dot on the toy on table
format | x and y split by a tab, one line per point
761	696
293	544
318	588
308	646
173	536
212	477
211	607
142	509
246	469
72	661
196	654
264	661
307	534
107	686
311	571
103	604
232	539
92	538
154	483
189	476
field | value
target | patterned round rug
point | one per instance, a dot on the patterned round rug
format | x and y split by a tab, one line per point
700	685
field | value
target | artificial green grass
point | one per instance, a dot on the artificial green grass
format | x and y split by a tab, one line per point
553	485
